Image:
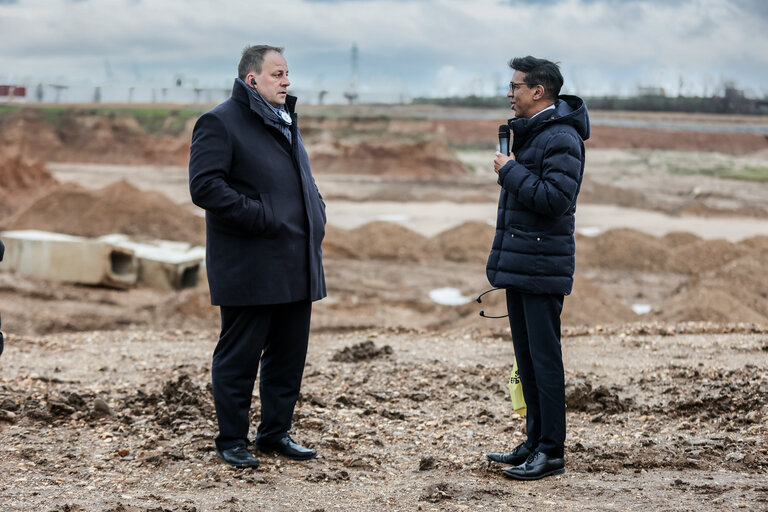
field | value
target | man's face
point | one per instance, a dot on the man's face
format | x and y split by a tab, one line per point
272	83
521	96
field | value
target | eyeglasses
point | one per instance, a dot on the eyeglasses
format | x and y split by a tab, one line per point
514	86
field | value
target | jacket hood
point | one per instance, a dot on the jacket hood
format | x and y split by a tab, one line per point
241	95
570	110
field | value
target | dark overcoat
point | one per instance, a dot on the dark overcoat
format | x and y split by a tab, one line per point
534	248
265	218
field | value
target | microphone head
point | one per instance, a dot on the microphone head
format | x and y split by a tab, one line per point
504	131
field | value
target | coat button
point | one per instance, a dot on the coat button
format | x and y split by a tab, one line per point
538	239
512	236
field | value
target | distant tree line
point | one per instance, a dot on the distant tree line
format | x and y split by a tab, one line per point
732	102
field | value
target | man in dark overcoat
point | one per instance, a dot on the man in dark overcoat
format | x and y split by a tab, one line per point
533	251
265	221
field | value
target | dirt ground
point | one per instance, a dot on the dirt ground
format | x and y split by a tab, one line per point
105	398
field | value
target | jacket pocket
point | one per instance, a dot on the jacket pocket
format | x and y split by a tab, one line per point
270	222
529	248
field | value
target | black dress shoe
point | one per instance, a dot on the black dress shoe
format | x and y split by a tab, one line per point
238	456
514	458
287	447
537	465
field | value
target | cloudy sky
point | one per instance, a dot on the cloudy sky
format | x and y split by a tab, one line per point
418	47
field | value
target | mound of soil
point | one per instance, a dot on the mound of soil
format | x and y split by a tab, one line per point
704	255
594	192
27	135
364	351
87	138
744	279
699	208
474	131
428	159
759	242
389	241
708	303
623	249
589	304
21	180
677	239
117	208
634	138
470	241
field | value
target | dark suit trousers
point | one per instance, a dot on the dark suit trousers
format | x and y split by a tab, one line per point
275	336
535	324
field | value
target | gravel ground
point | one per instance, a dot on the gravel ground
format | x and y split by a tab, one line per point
661	417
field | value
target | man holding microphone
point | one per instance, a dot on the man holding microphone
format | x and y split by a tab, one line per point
533	253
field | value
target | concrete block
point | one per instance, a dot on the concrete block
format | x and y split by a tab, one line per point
163	264
71	259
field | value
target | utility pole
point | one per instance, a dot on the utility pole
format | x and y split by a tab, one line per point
351	94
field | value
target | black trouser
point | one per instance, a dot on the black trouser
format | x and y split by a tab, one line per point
275	335
535	324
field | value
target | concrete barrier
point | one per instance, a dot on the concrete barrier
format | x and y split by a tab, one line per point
163	264
70	259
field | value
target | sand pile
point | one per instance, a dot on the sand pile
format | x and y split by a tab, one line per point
622	249
79	137
708	303
677	239
470	241
27	135
722	281
21	180
376	240
594	192
590	304
736	291
421	160
635	138
484	132
389	241
117	208
704	255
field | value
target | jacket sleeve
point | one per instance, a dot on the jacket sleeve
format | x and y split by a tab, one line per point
209	165
553	191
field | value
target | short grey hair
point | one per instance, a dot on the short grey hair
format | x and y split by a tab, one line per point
253	58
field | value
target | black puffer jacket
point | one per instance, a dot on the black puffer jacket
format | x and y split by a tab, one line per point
534	248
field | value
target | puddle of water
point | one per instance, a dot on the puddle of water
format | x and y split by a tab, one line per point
641	309
589	231
449	297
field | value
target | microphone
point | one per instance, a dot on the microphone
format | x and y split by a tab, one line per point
504	139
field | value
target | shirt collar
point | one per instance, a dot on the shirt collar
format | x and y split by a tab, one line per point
551	107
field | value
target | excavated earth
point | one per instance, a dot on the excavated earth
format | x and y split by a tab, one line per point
105	400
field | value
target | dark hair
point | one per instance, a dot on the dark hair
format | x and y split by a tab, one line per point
540	72
253	58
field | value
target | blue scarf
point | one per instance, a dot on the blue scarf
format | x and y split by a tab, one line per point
277	117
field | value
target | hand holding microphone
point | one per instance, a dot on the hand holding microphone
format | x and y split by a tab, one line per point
504	154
